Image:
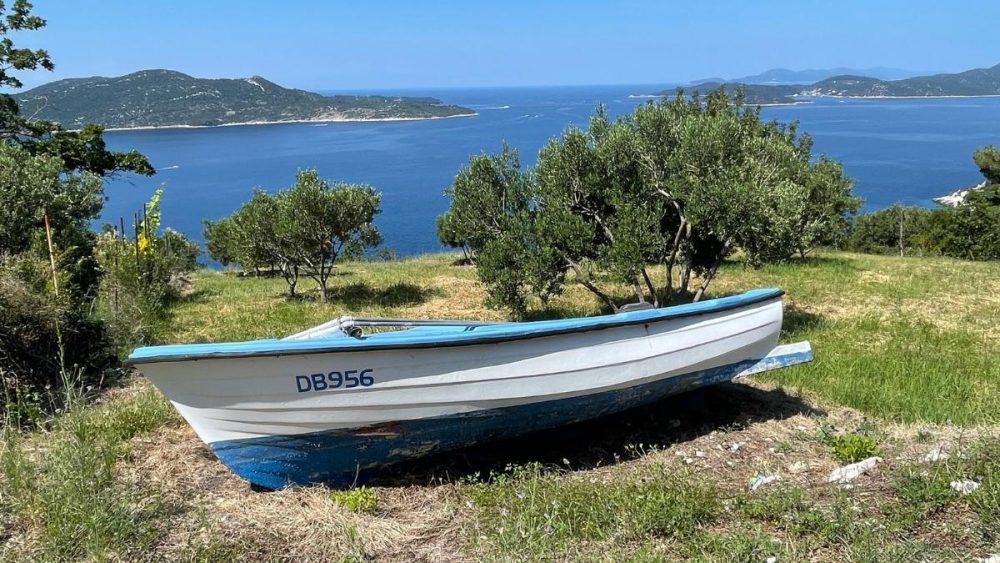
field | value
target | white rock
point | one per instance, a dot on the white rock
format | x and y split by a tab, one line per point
995	558
798	467
688	460
936	454
699	453
761	479
964	486
848	473
735	446
771	559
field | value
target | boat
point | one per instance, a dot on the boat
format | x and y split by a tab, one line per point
334	403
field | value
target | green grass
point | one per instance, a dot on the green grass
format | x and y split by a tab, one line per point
530	513
63	484
666	512
902	338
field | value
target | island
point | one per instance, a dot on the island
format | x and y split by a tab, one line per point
971	83
167	98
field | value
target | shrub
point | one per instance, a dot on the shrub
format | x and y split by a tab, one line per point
851	448
45	341
140	275
360	499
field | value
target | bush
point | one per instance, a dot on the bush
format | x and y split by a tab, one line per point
140	275
34	364
970	230
851	448
879	232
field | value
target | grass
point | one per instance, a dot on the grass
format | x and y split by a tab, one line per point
906	362
61	485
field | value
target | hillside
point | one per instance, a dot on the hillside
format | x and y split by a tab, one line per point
160	98
811	75
975	82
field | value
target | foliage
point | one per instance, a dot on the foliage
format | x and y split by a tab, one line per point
302	230
681	184
879	232
45	340
852	447
19	18
81	150
64	483
141	274
449	232
988	160
362	499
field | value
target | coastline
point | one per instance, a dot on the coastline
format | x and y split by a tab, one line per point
772	104
288	121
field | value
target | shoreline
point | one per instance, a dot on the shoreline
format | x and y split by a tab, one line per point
290	121
899	97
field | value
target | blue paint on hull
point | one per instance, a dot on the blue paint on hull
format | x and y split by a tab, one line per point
338	457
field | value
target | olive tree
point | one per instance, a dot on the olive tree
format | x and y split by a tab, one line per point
678	185
302	230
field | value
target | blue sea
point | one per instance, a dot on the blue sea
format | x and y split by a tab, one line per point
898	150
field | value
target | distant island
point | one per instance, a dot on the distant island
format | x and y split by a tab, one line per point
810	75
975	82
166	98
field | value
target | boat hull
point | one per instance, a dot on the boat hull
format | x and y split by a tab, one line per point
279	419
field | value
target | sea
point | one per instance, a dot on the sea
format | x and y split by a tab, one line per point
897	150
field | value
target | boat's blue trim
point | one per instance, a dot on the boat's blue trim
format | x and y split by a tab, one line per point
340	457
429	337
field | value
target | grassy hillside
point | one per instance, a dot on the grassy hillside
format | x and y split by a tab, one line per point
906	364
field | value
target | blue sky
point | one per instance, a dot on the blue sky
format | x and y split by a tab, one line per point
398	44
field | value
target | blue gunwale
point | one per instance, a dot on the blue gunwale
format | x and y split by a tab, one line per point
434	338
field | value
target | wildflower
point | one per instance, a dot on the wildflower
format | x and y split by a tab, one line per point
521	494
548	529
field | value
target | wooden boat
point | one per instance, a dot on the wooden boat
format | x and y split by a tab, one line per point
331	403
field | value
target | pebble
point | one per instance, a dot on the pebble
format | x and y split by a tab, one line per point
964	486
771	559
936	454
798	467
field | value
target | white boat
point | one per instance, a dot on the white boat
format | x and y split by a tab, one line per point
331	404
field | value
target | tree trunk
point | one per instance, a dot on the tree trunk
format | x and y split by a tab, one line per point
685	280
649	286
711	272
585	280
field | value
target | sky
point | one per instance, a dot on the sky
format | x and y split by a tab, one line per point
385	44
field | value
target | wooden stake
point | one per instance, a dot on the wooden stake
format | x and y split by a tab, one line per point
52	253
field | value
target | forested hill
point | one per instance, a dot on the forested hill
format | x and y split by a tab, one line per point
160	98
975	82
